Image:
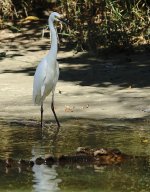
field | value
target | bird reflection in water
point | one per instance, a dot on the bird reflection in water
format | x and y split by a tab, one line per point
45	178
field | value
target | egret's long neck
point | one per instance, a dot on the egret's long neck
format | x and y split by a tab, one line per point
54	43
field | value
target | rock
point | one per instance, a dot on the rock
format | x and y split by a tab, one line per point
31	163
9	162
84	151
100	152
50	160
39	161
23	162
82	156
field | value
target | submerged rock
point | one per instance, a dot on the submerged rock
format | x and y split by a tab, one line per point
82	156
79	158
9	162
50	160
84	151
39	161
23	162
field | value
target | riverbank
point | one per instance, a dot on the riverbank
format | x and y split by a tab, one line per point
115	86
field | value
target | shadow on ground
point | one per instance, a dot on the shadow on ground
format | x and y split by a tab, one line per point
121	69
118	70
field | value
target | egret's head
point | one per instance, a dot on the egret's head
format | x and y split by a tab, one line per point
54	16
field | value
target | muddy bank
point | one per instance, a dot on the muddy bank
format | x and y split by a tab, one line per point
108	87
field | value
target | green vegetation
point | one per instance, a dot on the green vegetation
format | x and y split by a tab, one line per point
94	24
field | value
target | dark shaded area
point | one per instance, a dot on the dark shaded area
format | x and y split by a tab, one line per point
120	69
93	24
111	67
29	71
24	37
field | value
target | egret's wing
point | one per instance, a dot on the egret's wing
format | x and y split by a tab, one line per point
39	77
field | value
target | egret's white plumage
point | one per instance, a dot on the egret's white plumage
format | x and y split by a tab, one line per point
45	80
47	72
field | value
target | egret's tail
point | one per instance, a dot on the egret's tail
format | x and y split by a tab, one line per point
36	100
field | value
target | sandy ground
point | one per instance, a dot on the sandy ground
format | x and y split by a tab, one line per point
114	86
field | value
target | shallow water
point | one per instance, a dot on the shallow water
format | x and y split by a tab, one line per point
23	140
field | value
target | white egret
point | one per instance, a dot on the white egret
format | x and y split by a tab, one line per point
47	72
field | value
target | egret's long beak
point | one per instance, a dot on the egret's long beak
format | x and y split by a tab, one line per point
63	21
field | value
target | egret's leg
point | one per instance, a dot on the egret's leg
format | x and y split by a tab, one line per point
42	93
42	115
52	107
